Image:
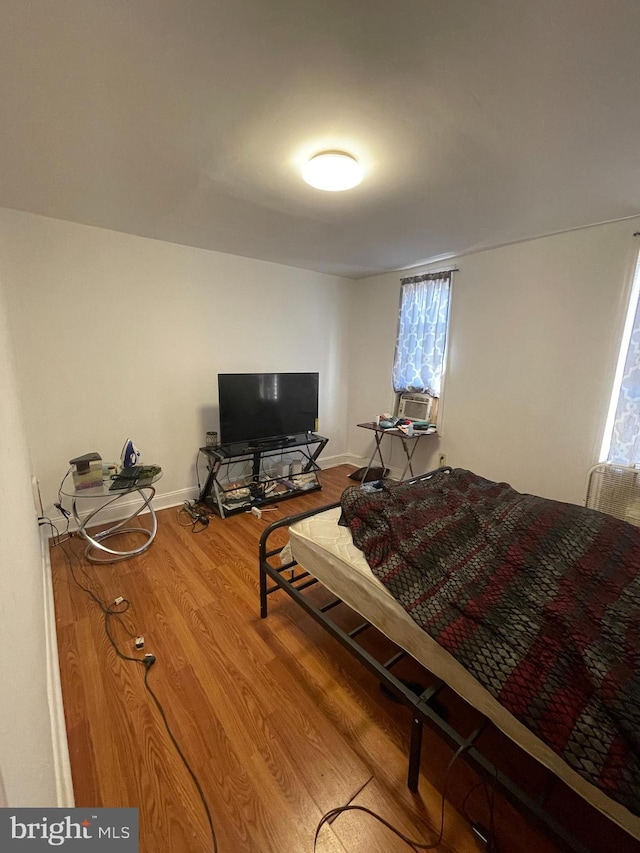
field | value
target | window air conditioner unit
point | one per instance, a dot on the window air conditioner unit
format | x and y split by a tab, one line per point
418	407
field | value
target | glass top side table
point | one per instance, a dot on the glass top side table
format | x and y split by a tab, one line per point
99	499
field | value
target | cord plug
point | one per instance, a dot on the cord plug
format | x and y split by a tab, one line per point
148	660
139	643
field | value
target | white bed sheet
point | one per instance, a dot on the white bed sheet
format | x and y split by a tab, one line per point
326	550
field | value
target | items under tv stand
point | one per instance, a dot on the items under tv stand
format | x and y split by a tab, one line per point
272	477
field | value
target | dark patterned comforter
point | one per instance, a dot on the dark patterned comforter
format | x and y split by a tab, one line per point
539	600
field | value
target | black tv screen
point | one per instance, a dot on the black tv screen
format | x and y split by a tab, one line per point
258	406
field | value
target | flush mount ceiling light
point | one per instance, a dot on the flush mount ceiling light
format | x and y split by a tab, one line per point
332	171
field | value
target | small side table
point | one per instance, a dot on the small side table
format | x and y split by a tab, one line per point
95	551
379	432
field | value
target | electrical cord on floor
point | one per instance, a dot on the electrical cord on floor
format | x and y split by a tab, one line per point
416	845
91	590
488	836
197	518
147	662
194	778
115	610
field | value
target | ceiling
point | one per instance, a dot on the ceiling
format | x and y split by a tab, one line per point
478	123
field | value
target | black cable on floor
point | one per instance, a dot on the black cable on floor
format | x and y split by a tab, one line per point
147	662
416	845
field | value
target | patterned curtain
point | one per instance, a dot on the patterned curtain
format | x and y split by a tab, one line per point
625	436
422	333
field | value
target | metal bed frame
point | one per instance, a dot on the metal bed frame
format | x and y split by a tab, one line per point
294	580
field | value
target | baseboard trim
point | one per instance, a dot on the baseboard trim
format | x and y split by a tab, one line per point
359	462
339	459
62	766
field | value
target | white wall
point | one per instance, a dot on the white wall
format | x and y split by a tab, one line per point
27	767
533	346
118	336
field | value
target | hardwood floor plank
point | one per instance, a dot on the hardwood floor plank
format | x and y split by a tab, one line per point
293	816
86	783
72	663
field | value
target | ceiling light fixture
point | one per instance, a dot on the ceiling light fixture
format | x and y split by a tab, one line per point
332	171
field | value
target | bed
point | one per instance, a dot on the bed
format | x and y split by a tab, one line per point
322	550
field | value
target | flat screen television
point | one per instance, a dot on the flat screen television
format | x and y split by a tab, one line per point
255	407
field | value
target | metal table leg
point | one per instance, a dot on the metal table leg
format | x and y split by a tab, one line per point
95	541
377	449
409	456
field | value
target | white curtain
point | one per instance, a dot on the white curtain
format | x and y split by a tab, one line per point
625	437
422	333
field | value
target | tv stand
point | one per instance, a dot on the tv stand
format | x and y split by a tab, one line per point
246	474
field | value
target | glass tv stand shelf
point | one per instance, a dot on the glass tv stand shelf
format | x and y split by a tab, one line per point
243	475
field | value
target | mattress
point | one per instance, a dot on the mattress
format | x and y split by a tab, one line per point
326	550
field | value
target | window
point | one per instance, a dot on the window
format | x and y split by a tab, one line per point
621	444
423	322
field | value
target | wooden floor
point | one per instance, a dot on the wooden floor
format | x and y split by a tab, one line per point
278	722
